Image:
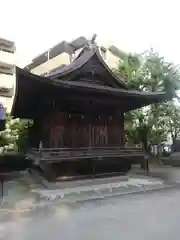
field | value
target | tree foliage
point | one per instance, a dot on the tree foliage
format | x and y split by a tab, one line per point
150	72
15	134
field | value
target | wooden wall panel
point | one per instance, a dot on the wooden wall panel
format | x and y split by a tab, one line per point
76	131
116	130
98	133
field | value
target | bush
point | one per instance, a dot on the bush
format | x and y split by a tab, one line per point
10	162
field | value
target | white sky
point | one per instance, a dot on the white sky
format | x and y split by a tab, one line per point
133	25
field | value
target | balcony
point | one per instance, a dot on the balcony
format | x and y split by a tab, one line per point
7	46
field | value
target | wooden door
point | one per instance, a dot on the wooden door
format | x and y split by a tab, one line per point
99	132
79	131
58	132
114	132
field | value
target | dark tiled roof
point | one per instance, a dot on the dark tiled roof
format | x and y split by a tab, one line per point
76	84
120	91
75	65
30	88
84	57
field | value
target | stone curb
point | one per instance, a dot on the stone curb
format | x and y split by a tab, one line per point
123	194
51	204
98	192
77	183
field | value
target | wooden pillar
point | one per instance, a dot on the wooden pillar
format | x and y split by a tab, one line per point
122	140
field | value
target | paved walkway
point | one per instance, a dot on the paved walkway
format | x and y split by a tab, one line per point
152	216
30	211
23	193
166	173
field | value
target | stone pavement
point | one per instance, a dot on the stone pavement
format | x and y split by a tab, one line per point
23	193
166	173
137	216
29	211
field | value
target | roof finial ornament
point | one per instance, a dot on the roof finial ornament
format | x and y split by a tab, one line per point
93	38
91	43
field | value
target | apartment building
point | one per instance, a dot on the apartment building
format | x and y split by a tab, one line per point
7	61
64	52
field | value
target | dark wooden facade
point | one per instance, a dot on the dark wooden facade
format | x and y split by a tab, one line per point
65	130
78	110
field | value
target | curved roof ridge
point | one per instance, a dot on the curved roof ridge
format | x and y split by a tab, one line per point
78	62
83	57
105	65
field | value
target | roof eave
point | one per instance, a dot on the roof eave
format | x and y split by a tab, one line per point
136	99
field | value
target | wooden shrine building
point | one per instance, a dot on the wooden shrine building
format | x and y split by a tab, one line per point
78	115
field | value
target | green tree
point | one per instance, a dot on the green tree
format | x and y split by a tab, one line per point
149	72
15	134
170	119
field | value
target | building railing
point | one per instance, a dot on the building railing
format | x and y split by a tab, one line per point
54	154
